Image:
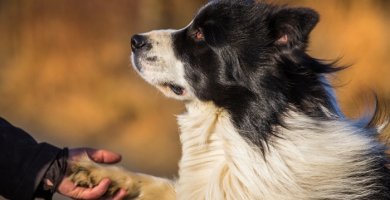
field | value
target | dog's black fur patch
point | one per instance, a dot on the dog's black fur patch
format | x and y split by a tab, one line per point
242	66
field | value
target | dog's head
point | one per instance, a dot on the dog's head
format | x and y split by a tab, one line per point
232	49
246	57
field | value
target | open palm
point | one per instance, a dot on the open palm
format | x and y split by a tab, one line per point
69	189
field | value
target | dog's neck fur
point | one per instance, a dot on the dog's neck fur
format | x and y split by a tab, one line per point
217	163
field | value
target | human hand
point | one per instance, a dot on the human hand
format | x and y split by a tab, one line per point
69	189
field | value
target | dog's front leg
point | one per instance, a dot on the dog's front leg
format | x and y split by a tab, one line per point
87	173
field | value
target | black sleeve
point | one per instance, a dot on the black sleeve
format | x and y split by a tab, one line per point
23	162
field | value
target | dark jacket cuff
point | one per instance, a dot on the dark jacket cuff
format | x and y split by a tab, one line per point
44	157
55	173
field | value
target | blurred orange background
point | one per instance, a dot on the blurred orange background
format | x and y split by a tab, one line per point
66	77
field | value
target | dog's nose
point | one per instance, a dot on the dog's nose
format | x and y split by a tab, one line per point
137	42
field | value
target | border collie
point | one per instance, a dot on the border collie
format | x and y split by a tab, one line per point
262	121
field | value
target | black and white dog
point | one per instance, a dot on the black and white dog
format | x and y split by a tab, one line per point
261	120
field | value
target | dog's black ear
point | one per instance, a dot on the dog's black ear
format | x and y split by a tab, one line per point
292	26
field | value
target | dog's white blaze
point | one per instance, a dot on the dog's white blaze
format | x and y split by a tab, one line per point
312	160
166	68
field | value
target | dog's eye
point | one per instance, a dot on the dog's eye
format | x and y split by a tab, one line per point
198	35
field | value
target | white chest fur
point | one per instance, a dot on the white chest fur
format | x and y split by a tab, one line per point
217	163
310	162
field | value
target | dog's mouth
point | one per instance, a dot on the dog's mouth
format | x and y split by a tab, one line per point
177	89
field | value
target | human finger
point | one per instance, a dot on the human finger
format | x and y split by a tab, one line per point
103	156
92	193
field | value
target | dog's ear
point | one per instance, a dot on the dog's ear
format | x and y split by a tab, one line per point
292	26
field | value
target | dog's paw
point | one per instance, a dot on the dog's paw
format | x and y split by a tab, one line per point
86	173
80	176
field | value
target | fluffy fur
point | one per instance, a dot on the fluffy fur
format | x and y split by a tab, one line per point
261	120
